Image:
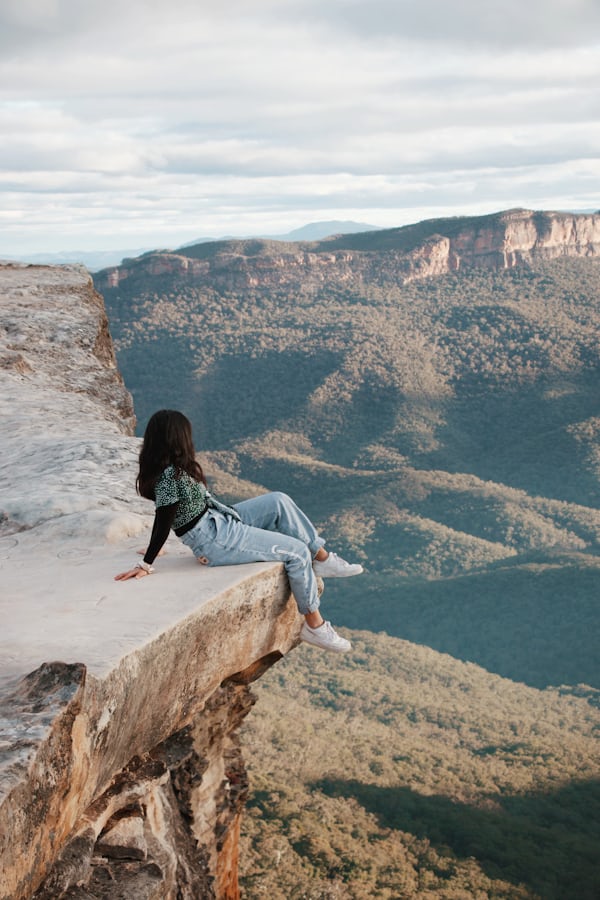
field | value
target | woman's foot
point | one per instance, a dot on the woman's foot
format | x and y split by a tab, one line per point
335	567
325	637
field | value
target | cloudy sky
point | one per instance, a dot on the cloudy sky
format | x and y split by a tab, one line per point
149	123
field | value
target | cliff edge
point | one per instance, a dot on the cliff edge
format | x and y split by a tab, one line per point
121	773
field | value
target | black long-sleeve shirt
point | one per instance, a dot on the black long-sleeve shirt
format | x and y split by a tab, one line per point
163	522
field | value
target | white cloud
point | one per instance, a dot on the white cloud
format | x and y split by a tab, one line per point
466	23
150	122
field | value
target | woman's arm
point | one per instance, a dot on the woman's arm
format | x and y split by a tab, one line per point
163	520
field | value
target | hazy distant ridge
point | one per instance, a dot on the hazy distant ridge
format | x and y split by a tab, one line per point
95	260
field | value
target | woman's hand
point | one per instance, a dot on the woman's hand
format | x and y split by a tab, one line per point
138	572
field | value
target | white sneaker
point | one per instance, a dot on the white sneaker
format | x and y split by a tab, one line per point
335	567
325	637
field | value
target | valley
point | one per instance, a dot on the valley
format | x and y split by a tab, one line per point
444	430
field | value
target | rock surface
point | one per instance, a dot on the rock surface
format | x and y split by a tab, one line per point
498	241
121	773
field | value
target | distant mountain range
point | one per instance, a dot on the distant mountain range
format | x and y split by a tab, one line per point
314	231
95	260
433	247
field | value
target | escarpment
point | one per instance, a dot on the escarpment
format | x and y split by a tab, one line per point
121	773
434	247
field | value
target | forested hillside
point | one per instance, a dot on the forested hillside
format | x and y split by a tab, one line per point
397	772
445	432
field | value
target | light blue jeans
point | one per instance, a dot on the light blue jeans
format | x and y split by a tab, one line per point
272	528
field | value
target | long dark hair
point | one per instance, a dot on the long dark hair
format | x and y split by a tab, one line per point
167	442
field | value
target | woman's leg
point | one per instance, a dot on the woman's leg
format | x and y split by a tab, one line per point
276	511
223	541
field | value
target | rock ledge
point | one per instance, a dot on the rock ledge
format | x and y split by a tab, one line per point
121	773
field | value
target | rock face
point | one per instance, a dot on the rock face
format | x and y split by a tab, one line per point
435	247
121	774
54	329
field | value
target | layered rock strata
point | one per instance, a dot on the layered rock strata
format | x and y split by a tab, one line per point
121	773
500	241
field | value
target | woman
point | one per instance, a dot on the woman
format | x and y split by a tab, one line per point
269	527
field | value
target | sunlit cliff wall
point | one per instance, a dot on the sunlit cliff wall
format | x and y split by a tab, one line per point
436	247
121	773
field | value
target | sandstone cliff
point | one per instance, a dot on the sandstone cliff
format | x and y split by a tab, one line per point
121	773
434	247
